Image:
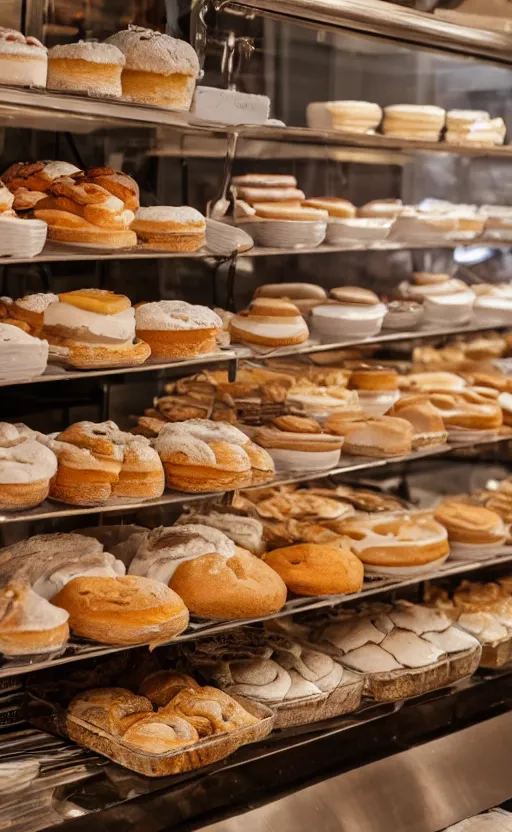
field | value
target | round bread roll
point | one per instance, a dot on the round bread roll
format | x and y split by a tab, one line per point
241	586
312	569
127	610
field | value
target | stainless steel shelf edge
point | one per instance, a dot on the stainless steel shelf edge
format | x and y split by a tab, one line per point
52	510
375	17
77	651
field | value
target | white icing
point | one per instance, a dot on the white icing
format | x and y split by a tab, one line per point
38	615
412	290
14	43
175	315
149	51
81	322
160	563
55	169
37	303
27	462
98	53
277	328
340	312
49	586
168	213
21	355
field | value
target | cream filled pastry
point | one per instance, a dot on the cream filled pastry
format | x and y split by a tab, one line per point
85	214
21	355
397	540
377	389
47	562
472	530
29	624
304	296
89	67
166	228
345	116
97	328
159	70
269	322
296	443
321	402
215	578
26	468
176	329
23	60
380	437
427	424
201	456
416	122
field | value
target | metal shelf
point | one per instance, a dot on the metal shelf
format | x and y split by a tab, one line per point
49	510
374	17
79	651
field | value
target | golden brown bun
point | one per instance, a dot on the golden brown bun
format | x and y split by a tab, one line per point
297	424
179	344
238	587
313	569
469	523
335	206
382	436
354	294
117	183
209	711
160	734
111	709
399	540
373	378
162	686
429	278
128	610
427	424
468	409
32	175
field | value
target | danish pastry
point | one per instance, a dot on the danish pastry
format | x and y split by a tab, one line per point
396	540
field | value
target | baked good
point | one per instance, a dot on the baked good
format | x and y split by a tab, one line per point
267	188
356	312
505	402
320	402
381	209
83	213
23	60
269	322
346	116
396	540
483	610
472	530
467	414
160	734
448	310
117	183
26	468
384	436
402	314
90	68
176	329
377	388
428	426
474	127
313	569
159	70
6	201
28	623
500	500
202	456
47	562
210	711
31	308
21	355
303	295
113	710
335	206
291	210
284	503
246	532
296	443
264	180
166	228
37	176
163	685
81	478
493	309
124	610
136	469
215	578
95	327
424	285
431	382
413	122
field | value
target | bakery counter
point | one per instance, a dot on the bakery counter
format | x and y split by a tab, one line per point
53	510
366	750
81	650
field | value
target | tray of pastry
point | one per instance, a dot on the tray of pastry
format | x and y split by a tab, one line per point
166	724
483	610
299	683
400	650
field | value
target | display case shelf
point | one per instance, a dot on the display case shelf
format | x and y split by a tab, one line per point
49	510
77	650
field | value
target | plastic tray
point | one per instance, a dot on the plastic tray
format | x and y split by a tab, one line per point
343	700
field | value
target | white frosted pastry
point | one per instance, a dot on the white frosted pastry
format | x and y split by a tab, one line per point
448	310
89	327
176	315
413	122
28	623
26	468
339	321
23	61
88	67
246	532
21	355
346	116
411	650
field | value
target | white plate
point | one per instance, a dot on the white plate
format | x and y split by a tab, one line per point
285	233
354	231
399	571
22	238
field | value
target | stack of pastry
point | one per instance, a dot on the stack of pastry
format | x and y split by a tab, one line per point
298	443
470	414
482	609
185	715
78	576
474	127
305	296
446	300
413	122
201	456
346	116
278	190
269	323
473	531
377	388
383	436
90	327
397	543
393	638
26	469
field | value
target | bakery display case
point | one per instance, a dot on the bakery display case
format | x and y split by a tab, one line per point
256	419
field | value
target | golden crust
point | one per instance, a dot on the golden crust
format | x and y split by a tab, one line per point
312	569
95	356
117	183
373	378
173	91
24	495
470	523
179	344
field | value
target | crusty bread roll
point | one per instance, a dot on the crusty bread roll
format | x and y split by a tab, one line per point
26	469
471	524
127	610
162	686
28	623
90	68
311	569
426	422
